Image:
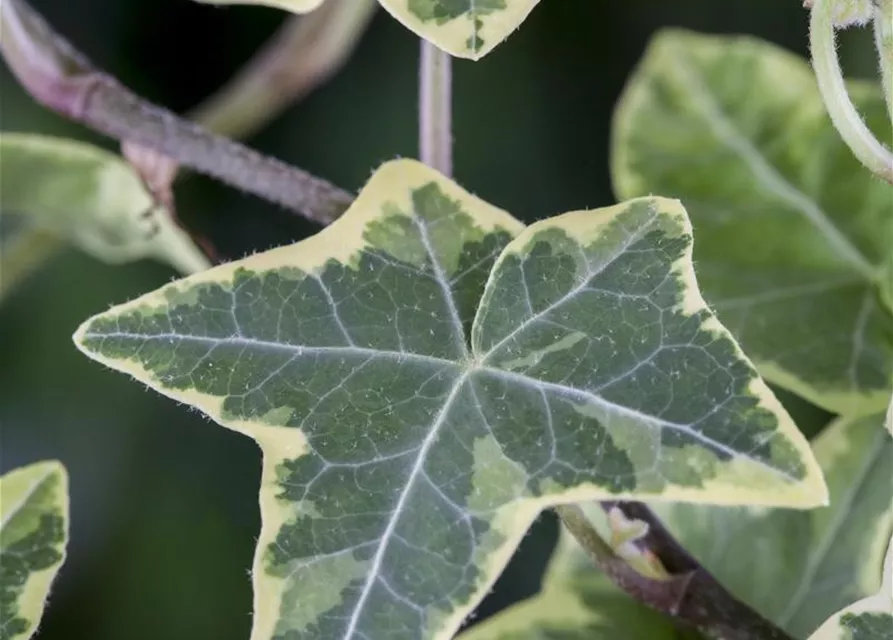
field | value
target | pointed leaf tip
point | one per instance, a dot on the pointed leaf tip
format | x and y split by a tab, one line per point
33	539
490	369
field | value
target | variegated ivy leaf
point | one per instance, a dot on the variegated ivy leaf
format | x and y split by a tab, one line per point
463	28
422	385
869	619
33	537
793	233
91	197
798	568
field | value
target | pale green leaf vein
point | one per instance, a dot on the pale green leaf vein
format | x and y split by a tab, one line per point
841	518
633	237
417	470
268	345
607	405
443	283
783	293
766	174
26	496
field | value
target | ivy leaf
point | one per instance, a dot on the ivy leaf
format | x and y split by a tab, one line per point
463	28
793	234
869	619
33	537
804	566
91	197
422	385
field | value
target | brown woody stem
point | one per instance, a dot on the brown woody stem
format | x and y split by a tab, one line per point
62	79
691	595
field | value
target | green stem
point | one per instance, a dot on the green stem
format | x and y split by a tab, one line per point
883	41
849	124
435	109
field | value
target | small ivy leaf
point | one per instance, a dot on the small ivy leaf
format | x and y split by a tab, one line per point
868	619
295	6
33	539
793	233
425	375
803	566
91	197
463	28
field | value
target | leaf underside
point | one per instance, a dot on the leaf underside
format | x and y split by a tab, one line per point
92	198
425	375
793	233
33	537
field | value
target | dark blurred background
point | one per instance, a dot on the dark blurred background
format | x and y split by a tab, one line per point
164	503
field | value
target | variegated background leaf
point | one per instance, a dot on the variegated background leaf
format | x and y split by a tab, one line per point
425	375
33	539
793	233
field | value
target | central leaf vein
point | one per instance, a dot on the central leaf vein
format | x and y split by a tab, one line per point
400	506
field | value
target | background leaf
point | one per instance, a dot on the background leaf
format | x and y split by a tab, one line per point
33	537
797	568
91	197
793	234
869	619
405	452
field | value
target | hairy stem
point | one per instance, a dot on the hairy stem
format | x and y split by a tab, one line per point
435	109
690	595
849	124
883	41
62	79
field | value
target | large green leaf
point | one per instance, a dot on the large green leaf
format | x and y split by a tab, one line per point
869	619
422	385
463	28
91	197
797	568
793	233
33	537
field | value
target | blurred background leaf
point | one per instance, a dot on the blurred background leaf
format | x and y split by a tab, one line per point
164	510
